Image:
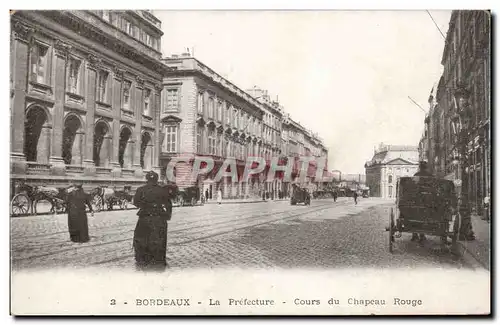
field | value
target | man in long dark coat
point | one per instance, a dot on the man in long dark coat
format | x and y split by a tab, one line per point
78	227
150	235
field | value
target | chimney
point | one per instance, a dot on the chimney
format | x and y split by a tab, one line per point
185	55
174	56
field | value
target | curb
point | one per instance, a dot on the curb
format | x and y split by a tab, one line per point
470	252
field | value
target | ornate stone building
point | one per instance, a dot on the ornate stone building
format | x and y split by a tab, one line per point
85	90
204	114
467	63
390	162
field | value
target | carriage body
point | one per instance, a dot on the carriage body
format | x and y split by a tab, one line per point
300	195
424	205
189	196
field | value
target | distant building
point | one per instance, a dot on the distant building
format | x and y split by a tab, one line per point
390	162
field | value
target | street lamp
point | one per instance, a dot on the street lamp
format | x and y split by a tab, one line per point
460	120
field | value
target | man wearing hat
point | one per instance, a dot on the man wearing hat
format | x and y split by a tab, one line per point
150	235
77	200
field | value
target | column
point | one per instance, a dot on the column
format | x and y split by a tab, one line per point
128	155
76	150
88	156
148	157
105	150
138	103
20	37
61	56
43	145
116	102
157	141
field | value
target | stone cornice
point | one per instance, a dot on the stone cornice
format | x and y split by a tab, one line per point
93	61
140	82
118	73
23	31
198	73
70	21
62	49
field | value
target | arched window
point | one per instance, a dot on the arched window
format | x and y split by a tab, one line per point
390	179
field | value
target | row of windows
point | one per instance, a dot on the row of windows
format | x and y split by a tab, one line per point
128	27
74	78
216	144
233	116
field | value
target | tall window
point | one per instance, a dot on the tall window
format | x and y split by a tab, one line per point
129	28
74	73
172	100
218	150
147	102
39	62
102	83
228	114
201	102
199	139
211	142
149	40
170	138
211	107
390	179
105	15
390	191
219	111
235	116
126	94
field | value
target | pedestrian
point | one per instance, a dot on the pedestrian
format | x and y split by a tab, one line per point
78	226
206	194
150	235
422	171
219	196
335	195
355	196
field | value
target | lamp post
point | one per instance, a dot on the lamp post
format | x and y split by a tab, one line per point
460	120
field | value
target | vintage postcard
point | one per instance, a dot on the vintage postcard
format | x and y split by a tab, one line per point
266	162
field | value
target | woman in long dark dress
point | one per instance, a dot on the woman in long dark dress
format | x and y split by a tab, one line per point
150	235
77	216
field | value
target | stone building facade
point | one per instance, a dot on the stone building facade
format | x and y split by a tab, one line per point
204	114
467	63
85	87
390	162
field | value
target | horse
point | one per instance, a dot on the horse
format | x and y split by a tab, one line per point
110	197
45	193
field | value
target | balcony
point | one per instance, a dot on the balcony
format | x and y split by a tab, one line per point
74	169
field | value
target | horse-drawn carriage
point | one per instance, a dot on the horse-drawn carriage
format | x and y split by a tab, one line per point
425	205
300	195
189	196
25	198
103	196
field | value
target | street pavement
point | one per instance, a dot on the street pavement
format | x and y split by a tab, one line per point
274	234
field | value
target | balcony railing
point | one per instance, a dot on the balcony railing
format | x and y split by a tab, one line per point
38	168
74	169
103	170
127	172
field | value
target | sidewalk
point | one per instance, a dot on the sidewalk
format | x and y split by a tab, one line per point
480	247
239	201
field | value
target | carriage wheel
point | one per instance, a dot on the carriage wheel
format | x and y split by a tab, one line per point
391	230
97	203
123	204
19	205
193	201
181	200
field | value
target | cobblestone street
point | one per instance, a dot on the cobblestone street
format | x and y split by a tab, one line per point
266	234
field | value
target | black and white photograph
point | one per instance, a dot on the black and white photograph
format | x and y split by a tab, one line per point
250	162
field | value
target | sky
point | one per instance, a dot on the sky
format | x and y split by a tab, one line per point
346	75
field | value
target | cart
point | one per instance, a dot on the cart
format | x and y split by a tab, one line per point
300	195
425	205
